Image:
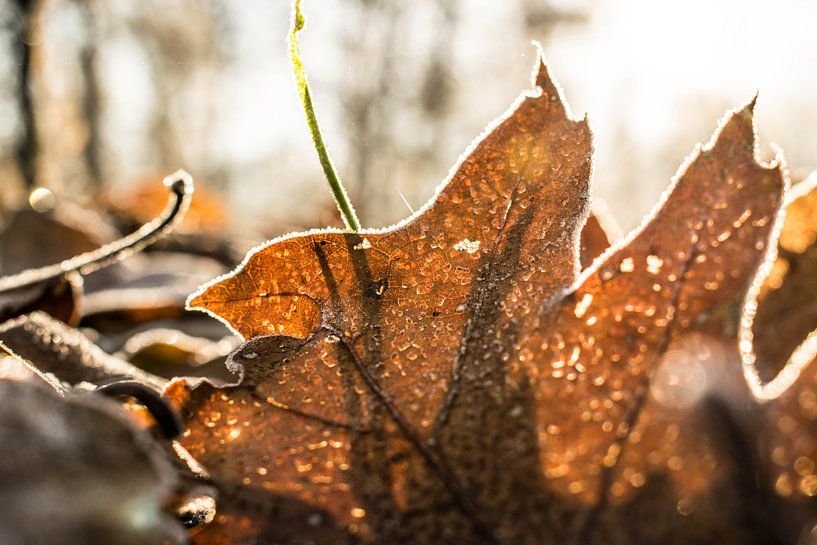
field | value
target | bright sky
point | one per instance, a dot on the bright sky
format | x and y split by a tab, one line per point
660	67
654	77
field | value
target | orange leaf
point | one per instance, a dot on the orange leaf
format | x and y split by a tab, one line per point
453	379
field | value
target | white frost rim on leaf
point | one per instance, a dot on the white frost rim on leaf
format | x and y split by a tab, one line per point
534	92
780	383
804	353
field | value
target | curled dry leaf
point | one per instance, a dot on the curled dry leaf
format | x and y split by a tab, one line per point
62	351
453	379
55	288
199	233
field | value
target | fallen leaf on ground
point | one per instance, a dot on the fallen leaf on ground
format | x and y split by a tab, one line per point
454	379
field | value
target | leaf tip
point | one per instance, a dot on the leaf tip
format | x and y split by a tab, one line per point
546	88
207	297
541	76
737	130
193	301
750	104
742	118
746	112
197	303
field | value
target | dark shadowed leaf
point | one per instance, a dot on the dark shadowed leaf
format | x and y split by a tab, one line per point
75	471
787	308
60	296
31	239
62	351
170	352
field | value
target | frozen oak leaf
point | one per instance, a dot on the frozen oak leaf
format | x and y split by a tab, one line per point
454	380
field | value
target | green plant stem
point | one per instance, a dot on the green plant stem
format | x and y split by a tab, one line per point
347	211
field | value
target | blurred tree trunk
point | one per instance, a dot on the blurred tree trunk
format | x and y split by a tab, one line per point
91	99
25	39
183	48
542	18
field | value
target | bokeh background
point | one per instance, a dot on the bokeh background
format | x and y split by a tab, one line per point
98	94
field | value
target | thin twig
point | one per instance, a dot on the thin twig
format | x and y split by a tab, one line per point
180	184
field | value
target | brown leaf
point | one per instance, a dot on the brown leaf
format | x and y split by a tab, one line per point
451	380
679	279
143	199
439	278
594	241
598	232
